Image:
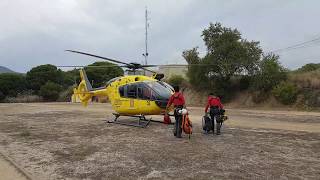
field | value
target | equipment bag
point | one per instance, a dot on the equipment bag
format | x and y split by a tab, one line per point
206	123
166	119
186	125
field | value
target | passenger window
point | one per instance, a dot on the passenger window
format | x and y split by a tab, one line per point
147	93
140	92
137	90
132	91
121	91
144	92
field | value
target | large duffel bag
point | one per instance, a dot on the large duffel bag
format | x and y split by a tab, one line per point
206	123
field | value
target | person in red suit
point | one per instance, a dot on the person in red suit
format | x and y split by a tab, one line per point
216	108
177	99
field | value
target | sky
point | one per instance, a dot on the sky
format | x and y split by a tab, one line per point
36	32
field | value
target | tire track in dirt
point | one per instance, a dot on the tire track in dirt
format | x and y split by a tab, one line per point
10	170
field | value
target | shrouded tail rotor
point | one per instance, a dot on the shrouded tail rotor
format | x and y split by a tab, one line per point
83	89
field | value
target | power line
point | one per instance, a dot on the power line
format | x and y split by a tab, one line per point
305	44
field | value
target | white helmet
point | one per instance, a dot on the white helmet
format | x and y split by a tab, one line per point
184	111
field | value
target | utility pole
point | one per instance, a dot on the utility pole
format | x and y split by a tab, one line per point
146	40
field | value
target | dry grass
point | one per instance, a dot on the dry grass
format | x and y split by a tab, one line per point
23	99
310	80
195	98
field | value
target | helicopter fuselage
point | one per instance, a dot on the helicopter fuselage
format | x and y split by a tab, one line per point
132	94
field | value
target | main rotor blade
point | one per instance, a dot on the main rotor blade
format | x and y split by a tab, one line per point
100	57
176	65
185	65
94	66
151	65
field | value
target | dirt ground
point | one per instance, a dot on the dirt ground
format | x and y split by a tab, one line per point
8	172
69	141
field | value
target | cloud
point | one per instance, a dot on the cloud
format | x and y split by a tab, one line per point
37	32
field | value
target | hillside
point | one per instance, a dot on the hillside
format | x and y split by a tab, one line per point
5	70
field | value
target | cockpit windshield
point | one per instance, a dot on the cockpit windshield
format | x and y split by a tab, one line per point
166	85
161	89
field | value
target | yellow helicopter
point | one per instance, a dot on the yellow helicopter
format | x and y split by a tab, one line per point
130	95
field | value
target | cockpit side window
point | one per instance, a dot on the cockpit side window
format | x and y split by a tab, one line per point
137	90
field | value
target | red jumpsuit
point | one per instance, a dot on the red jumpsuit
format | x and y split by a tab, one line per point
213	101
215	110
178	101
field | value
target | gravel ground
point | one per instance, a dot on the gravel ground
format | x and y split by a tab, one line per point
68	141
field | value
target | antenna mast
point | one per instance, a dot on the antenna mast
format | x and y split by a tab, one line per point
146	40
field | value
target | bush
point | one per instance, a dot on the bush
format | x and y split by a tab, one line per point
244	82
50	91
306	80
23	99
311	98
270	74
286	93
176	80
65	95
2	96
12	83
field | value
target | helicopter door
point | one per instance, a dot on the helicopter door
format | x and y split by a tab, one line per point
137	97
146	96
128	95
132	95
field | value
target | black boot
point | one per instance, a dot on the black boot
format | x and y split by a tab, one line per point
218	128
178	127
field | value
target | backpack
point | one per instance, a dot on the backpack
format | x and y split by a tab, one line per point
186	125
206	123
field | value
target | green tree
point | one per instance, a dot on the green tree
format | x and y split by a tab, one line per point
176	80
40	75
50	91
100	75
12	83
71	77
196	70
270	73
227	55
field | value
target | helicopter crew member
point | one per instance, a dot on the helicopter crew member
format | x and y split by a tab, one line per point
216	108
178	102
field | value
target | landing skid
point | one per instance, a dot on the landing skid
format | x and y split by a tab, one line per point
143	122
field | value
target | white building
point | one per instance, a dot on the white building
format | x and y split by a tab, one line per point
173	69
